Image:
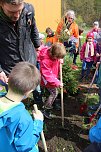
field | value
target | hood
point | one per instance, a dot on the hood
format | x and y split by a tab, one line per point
44	53
8	112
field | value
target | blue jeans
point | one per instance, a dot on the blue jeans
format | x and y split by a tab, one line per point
86	67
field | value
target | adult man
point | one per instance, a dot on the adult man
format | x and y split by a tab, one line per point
18	35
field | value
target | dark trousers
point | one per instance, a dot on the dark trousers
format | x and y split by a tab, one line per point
86	67
99	93
93	147
75	57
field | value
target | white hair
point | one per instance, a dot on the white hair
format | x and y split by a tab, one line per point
70	13
96	23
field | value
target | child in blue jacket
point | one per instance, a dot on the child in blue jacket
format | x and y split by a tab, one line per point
95	131
18	131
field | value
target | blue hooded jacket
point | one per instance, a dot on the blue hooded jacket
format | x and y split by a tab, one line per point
18	132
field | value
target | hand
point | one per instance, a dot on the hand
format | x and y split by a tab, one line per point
76	50
61	61
3	77
97	55
37	49
38	115
61	85
97	64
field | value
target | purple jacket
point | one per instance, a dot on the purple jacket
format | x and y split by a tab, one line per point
98	50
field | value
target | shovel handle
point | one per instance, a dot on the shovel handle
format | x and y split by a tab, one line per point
62	107
42	133
93	77
90	86
96	112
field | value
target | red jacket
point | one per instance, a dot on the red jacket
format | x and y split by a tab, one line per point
49	69
82	52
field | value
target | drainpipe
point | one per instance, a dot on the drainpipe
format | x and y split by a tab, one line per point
62	8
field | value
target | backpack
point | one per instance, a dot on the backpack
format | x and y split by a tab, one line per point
29	14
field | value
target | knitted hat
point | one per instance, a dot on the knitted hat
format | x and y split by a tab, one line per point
90	34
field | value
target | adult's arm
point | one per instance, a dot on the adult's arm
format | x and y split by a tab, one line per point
34	30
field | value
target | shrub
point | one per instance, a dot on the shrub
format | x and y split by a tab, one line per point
69	77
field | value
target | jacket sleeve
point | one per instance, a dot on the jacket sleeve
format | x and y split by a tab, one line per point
0	69
95	132
27	136
76	33
95	58
99	77
48	75
34	31
59	28
82	52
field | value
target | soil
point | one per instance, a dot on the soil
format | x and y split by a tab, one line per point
69	136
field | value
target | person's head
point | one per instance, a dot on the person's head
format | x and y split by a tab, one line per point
23	78
57	51
12	8
96	25
90	36
49	31
70	16
41	37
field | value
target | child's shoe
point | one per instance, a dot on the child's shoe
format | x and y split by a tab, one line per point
47	114
48	107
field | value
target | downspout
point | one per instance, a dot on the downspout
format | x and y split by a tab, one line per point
62	8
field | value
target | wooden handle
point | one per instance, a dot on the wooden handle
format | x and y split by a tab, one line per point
93	77
62	105
42	133
95	114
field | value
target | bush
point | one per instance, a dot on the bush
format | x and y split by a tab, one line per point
69	77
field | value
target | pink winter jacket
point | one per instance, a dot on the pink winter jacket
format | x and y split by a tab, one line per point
49	69
82	52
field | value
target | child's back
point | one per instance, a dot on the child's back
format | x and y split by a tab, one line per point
18	132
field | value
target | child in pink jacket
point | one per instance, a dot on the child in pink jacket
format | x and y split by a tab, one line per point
49	68
88	55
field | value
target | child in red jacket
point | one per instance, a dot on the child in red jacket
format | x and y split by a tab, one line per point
88	55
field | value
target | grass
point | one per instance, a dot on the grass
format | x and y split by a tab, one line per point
93	99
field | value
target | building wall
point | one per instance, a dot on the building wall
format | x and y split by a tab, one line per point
47	13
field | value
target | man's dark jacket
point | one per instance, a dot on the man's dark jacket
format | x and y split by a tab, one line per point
18	45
